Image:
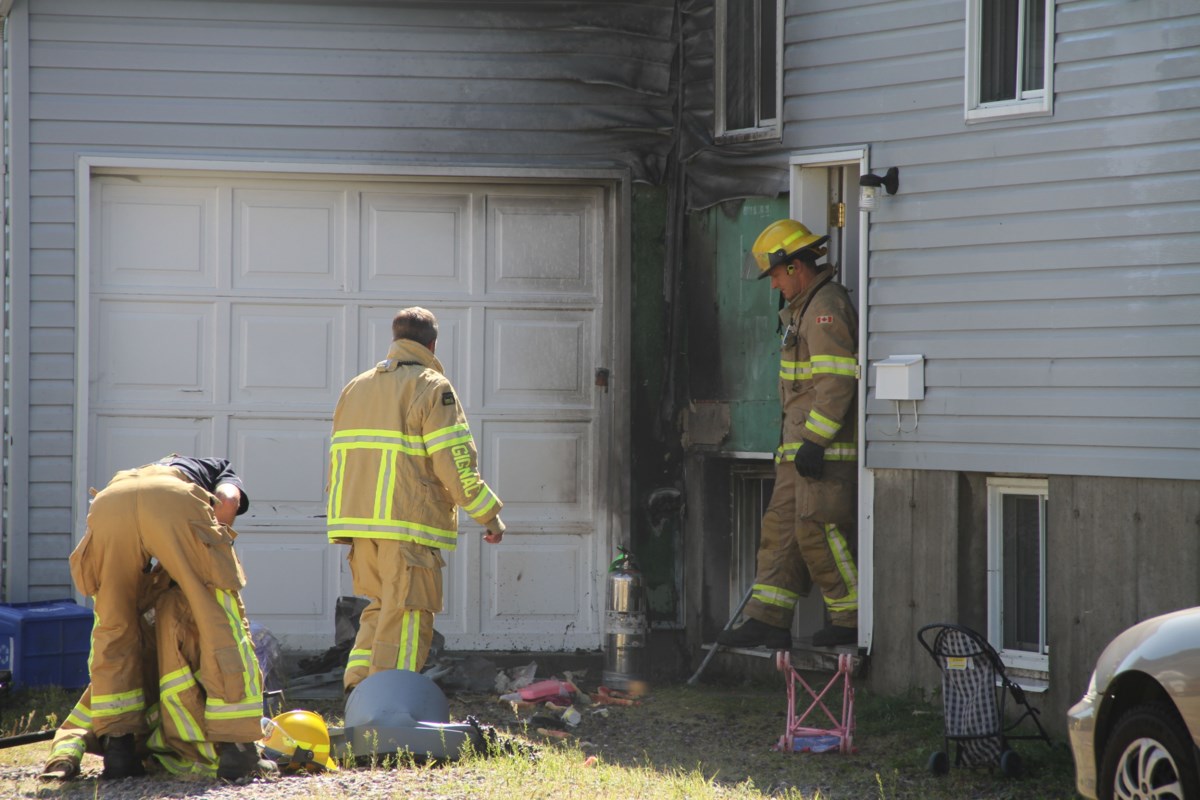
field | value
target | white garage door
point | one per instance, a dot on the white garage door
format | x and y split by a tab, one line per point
226	314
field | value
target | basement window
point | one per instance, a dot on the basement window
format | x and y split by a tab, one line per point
1010	58
751	486
1017	572
749	69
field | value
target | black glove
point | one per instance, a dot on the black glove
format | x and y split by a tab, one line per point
810	460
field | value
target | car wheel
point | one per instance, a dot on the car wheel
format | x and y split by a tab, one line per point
1149	755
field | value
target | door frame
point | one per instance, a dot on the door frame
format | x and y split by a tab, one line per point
808	201
613	412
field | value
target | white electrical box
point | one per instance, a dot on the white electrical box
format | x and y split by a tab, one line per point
900	378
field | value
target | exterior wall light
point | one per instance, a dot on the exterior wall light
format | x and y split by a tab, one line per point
869	184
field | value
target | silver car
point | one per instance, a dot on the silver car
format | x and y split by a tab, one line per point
1135	733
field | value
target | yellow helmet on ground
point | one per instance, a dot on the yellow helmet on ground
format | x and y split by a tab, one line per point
297	740
781	241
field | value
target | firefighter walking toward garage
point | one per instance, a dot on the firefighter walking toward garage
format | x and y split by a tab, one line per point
402	460
175	512
809	526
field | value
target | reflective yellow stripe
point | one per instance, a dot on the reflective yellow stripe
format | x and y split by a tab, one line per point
252	680
80	717
774	596
795	370
846	568
359	659
182	766
834	365
67	748
393	530
337	479
113	705
215	708
378	439
822	425
448	437
793	237
170	687
410	641
483	503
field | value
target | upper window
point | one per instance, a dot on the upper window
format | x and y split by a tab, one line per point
749	69
1017	571
1010	58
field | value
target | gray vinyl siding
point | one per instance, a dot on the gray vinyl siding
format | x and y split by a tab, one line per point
1047	268
453	84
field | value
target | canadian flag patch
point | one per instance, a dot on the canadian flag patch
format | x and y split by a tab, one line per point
824	319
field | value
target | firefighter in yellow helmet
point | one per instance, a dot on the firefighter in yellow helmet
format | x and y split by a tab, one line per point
808	528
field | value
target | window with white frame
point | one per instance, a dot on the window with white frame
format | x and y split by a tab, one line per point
1017	571
1010	58
749	69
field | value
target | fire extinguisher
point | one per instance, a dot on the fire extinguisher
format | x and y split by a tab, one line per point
626	652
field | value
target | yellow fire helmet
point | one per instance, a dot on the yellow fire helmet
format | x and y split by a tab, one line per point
778	244
297	740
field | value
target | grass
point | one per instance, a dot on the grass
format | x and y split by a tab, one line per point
683	742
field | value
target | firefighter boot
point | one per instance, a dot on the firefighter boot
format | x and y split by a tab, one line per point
834	635
121	759
241	760
756	633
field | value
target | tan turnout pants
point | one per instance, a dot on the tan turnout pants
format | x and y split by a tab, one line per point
403	584
808	526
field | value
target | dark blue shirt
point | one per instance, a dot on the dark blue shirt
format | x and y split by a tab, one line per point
209	473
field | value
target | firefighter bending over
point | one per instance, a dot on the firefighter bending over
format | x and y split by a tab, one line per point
175	512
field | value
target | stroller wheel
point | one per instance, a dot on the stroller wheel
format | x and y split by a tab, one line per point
1010	763
939	763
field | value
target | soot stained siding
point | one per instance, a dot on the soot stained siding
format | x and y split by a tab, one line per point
449	84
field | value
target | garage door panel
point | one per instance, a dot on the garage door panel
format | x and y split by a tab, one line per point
126	441
453	336
459	601
308	591
539	358
289	239
284	463
541	469
157	236
536	584
416	243
152	352
287	353
542	244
